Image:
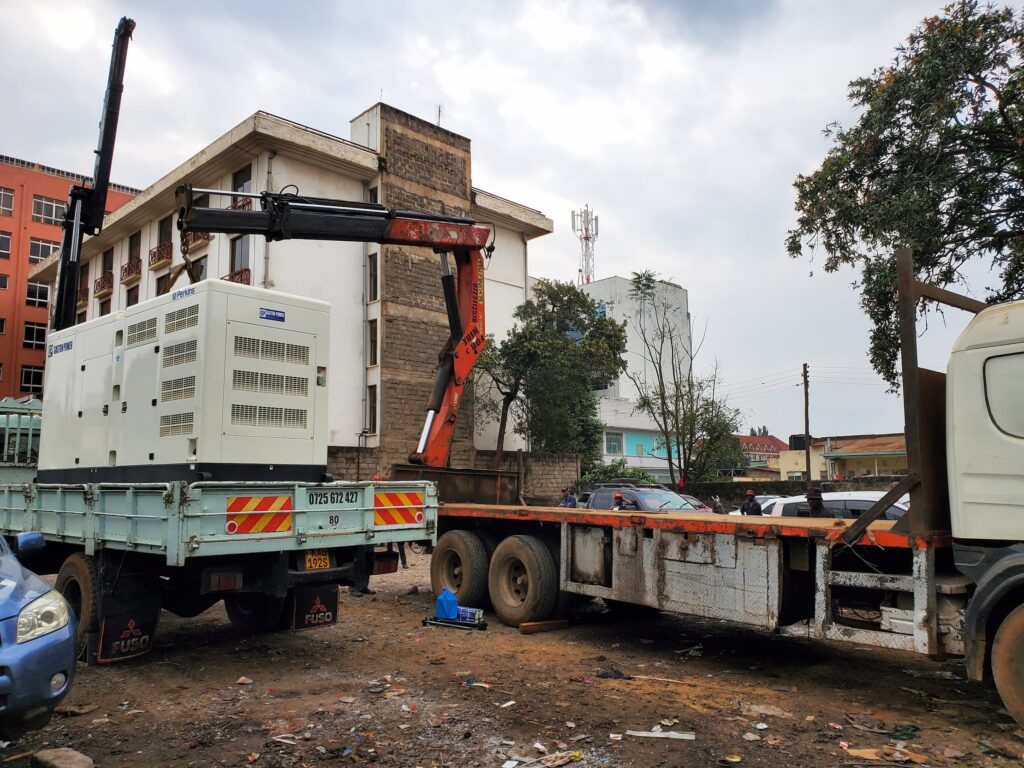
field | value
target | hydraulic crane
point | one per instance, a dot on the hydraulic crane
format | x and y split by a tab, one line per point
283	216
86	205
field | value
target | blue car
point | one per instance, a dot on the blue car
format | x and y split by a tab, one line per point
37	642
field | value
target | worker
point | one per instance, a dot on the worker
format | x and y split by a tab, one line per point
620	504
815	504
363	567
568	500
401	553
751	505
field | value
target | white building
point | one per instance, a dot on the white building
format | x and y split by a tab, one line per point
629	434
383	301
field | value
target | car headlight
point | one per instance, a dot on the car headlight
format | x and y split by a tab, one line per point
42	616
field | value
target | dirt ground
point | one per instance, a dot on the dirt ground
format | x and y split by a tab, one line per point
378	688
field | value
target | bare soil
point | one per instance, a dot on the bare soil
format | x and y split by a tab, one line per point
379	688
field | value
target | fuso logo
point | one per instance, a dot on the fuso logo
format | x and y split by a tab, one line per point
318	614
132	640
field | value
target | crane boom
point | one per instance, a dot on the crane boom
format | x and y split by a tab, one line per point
290	216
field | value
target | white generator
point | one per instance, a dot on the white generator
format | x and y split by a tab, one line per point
214	381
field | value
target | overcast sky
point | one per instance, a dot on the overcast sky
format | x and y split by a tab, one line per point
683	124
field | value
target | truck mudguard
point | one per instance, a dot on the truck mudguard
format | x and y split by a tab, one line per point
1000	571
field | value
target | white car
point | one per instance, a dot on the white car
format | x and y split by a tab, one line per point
839	504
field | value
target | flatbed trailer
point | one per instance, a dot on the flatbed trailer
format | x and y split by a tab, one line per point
789	575
275	552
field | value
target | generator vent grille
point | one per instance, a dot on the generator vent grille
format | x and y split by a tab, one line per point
177	354
179	319
243	414
176	424
269	416
265	349
296	385
141	331
273	383
178	389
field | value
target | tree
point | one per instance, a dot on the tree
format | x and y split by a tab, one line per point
545	370
934	163
753	432
697	427
618	469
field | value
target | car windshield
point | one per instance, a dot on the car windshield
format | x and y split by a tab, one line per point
652	498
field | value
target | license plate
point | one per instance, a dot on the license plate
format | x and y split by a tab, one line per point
317	559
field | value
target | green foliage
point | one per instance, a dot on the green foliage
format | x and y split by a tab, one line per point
547	366
603	473
935	163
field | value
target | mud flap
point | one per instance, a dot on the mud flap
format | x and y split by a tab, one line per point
314	606
128	620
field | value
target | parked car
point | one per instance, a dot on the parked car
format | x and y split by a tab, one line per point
37	642
643	498
839	504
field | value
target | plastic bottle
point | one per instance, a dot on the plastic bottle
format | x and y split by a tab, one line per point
447	606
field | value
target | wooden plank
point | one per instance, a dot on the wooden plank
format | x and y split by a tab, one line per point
533	627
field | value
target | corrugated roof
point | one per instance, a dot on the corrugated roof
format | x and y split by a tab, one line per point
881	445
762	443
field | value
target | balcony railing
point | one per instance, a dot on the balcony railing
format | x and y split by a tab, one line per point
83	295
161	255
243	276
104	285
196	239
131	271
241	204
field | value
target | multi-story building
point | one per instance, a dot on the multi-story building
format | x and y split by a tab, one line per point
32	200
630	434
388	322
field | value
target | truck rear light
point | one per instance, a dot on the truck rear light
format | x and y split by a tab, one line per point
223	582
385	562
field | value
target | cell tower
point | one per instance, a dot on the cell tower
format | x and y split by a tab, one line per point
584	225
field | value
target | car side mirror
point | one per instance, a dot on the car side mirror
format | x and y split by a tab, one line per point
29	541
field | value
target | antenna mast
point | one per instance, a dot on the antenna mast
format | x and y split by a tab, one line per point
584	225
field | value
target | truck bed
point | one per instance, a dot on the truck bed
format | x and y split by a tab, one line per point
879	533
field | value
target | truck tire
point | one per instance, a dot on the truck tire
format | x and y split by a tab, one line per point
459	563
78	583
1008	663
255	612
523	580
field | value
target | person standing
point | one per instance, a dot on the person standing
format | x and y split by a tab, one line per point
815	504
751	505
568	499
363	567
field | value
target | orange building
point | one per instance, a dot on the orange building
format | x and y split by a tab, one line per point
32	200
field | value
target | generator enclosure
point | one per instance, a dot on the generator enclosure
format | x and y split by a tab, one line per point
216	381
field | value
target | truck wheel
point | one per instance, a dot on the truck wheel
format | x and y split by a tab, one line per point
77	581
459	563
1008	663
255	612
523	580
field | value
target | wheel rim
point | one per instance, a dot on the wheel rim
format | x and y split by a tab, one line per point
515	582
452	570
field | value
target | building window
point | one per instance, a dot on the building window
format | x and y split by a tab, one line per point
104	307
163	231
371	409
640	450
46	210
613	443
134	247
108	262
3	282
5	245
241	181
371	195
6	201
199	268
131	296
163	284
35	336
1	371
38	294
371	352
371	277
239	253
40	250
32	379
80	318
3	325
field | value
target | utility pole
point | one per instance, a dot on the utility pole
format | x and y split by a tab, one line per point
807	426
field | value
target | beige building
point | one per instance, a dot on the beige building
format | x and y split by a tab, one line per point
847	456
388	321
